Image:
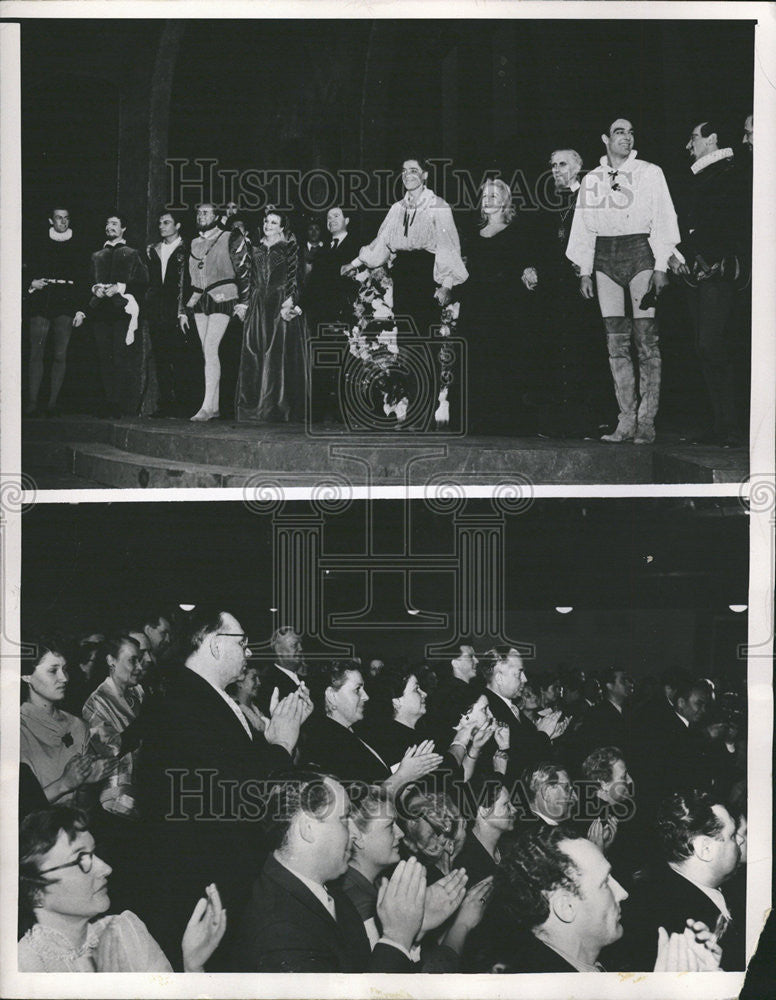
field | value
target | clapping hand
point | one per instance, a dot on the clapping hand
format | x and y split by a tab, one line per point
401	902
530	278
203	931
417	762
602	832
286	718
443	898
693	950
483	734
501	736
469	915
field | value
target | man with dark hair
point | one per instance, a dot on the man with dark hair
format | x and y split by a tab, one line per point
200	761
118	281
456	691
556	906
609	723
672	750
56	290
625	230
297	921
714	257
168	275
700	848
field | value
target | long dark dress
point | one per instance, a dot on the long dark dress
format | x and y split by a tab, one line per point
496	320
272	382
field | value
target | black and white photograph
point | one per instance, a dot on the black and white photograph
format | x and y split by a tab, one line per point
387	499
523	246
530	719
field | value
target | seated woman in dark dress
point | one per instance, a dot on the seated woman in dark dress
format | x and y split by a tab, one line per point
399	703
332	746
495	816
496	315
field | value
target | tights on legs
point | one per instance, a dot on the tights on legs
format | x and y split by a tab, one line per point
39	330
211	330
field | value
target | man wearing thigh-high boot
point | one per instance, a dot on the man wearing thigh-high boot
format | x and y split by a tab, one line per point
625	230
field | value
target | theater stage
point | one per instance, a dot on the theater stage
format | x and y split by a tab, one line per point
85	452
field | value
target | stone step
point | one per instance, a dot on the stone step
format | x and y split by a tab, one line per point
700	464
175	453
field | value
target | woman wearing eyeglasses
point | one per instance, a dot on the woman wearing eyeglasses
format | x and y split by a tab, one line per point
62	892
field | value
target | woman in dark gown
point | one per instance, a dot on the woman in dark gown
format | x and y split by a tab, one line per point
272	382
496	316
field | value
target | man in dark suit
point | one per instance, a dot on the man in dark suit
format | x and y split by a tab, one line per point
456	692
701	849
168	273
296	920
502	670
200	781
327	299
672	749
119	278
284	673
609	723
555	906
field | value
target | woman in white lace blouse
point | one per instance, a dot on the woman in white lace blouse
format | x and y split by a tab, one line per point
62	892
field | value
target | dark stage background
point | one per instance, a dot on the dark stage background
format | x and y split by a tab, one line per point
107	103
650	580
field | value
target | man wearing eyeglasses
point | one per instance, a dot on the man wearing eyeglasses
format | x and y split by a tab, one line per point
624	230
201	770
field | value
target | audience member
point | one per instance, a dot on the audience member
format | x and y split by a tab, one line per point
63	929
53	743
452	697
286	672
297	920
244	691
701	849
480	855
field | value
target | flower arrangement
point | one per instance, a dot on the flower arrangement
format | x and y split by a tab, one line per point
374	340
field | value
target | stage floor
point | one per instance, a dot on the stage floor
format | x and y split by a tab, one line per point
85	452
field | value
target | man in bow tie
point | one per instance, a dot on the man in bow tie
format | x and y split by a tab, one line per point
625	230
119	279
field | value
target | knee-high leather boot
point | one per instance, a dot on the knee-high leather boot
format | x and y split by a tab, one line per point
646	337
618	342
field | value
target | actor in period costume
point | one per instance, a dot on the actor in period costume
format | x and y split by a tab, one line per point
56	288
219	268
119	280
272	383
168	278
625	230
716	245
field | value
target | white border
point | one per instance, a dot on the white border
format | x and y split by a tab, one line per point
563	987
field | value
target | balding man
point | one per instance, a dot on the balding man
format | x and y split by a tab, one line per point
198	777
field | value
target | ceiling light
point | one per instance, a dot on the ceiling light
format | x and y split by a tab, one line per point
187	607
273	610
739	609
564	610
412	611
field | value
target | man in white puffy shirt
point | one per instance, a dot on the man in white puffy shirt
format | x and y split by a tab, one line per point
625	230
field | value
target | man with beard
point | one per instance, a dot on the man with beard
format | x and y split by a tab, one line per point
716	247
624	230
119	280
220	274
